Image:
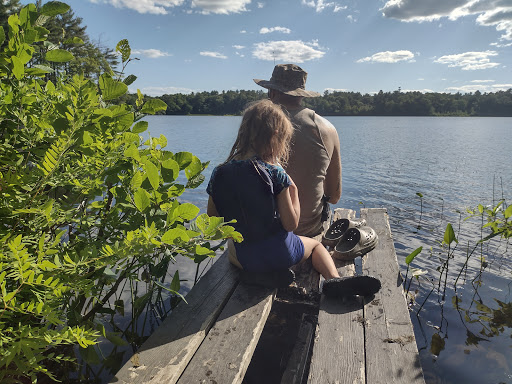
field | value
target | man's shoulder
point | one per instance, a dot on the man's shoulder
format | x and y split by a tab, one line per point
323	123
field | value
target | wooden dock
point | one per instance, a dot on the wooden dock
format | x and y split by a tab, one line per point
213	338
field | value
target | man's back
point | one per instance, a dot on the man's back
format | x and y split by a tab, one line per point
313	144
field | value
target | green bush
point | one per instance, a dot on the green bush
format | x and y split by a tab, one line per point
84	204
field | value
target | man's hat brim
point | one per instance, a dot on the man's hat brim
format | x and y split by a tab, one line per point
292	92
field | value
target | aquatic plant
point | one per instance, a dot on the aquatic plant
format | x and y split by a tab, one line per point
86	206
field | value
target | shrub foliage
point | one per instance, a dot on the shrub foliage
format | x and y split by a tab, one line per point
85	203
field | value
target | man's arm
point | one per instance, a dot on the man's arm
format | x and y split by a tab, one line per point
332	182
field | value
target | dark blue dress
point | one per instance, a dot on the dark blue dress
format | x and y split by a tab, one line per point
246	190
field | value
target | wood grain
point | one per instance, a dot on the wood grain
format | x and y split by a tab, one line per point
391	350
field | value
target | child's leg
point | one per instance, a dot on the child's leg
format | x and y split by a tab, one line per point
232	254
322	260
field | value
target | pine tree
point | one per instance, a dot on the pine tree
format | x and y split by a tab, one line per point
7	8
67	32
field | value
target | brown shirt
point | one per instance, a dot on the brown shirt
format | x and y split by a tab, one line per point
313	144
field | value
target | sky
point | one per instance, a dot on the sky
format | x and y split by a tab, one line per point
363	46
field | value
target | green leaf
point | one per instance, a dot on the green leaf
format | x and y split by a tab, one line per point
508	212
129	79
140	302
18	69
203	251
187	211
9	296
42	33
171	235
480	208
419	194
437	344
142	199
194	168
140	127
152	106
54	8
124	48
482	307
116	340
183	159
38	70
449	235
110	88
153	175
2	35
119	305
412	255
175	283
74	40
133	152
59	56
90	355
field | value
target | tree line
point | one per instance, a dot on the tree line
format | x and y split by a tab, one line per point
395	103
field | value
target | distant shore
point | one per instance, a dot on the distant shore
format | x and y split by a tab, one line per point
396	103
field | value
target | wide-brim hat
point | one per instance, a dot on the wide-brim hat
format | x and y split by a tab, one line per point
289	79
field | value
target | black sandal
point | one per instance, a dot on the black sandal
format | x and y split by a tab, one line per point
280	278
351	286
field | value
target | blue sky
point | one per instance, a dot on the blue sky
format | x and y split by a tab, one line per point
354	45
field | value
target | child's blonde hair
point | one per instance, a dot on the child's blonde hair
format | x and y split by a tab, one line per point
266	130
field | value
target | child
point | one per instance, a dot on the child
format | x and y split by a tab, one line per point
252	187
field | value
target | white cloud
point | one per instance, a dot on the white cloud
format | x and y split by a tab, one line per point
499	45
295	51
469	61
492	13
161	7
338	8
320	5
159	91
265	30
351	18
389	57
215	55
243	31
151	53
238	46
480	87
424	90
331	90
158	7
261	5
483	81
223	7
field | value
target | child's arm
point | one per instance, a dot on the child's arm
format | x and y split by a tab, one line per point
211	210
289	207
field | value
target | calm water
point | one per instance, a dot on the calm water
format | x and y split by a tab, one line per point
454	163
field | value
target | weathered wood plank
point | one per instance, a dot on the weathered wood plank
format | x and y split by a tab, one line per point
338	352
226	352
295	369
164	356
391	350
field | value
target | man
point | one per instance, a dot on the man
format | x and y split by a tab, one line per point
315	163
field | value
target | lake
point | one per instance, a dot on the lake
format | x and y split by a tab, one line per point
426	171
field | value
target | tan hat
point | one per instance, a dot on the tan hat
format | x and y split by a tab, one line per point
289	79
